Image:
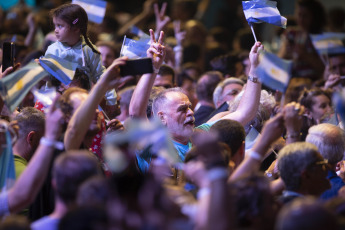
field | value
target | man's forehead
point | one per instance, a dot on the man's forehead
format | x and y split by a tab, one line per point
178	98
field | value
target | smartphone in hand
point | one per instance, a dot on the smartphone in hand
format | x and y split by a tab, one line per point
8	49
136	67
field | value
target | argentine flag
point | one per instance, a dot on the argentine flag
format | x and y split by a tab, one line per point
134	49
14	87
274	72
95	9
60	68
329	43
258	11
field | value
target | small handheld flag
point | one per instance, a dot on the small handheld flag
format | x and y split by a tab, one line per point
329	43
258	11
61	69
14	87
274	72
134	49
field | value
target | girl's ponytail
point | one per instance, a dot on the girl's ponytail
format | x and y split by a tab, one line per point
89	43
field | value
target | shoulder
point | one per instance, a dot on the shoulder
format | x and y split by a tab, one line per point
4	209
45	223
54	48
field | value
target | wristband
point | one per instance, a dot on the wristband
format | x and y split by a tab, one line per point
217	173
253	79
255	155
51	143
155	71
177	48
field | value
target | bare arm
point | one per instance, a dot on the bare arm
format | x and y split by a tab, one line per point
30	182
250	100
83	116
141	94
272	130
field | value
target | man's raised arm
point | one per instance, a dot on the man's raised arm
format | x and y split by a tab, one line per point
141	94
250	100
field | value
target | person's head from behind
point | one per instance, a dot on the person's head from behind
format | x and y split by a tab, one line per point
70	101
71	21
254	204
31	124
227	90
317	103
307	214
165	77
232	133
94	192
80	80
311	16
109	52
70	170
173	108
303	169
206	85
330	140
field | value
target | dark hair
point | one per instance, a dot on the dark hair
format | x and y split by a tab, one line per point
230	132
111	45
70	170
167	70
306	96
75	16
206	85
318	14
79	77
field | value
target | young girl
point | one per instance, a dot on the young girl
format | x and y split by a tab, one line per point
70	22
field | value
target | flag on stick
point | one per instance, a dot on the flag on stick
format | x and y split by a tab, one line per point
61	69
274	72
258	11
134	49
329	43
14	87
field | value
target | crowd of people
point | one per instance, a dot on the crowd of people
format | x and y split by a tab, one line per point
198	143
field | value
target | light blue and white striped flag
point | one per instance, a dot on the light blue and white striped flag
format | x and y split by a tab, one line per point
134	49
258	11
14	87
7	170
60	68
274	72
251	138
329	43
95	9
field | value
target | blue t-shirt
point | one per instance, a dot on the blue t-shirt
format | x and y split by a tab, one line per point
144	157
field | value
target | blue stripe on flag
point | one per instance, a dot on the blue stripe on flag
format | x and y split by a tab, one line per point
95	9
274	72
7	170
15	86
64	73
258	11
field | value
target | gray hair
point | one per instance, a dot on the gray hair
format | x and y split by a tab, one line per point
293	159
329	139
217	93
160	100
267	102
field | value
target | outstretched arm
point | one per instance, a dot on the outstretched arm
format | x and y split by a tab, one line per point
141	94
30	182
83	116
250	100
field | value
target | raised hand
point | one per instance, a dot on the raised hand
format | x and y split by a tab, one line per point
254	54
111	78
161	19
179	35
156	50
